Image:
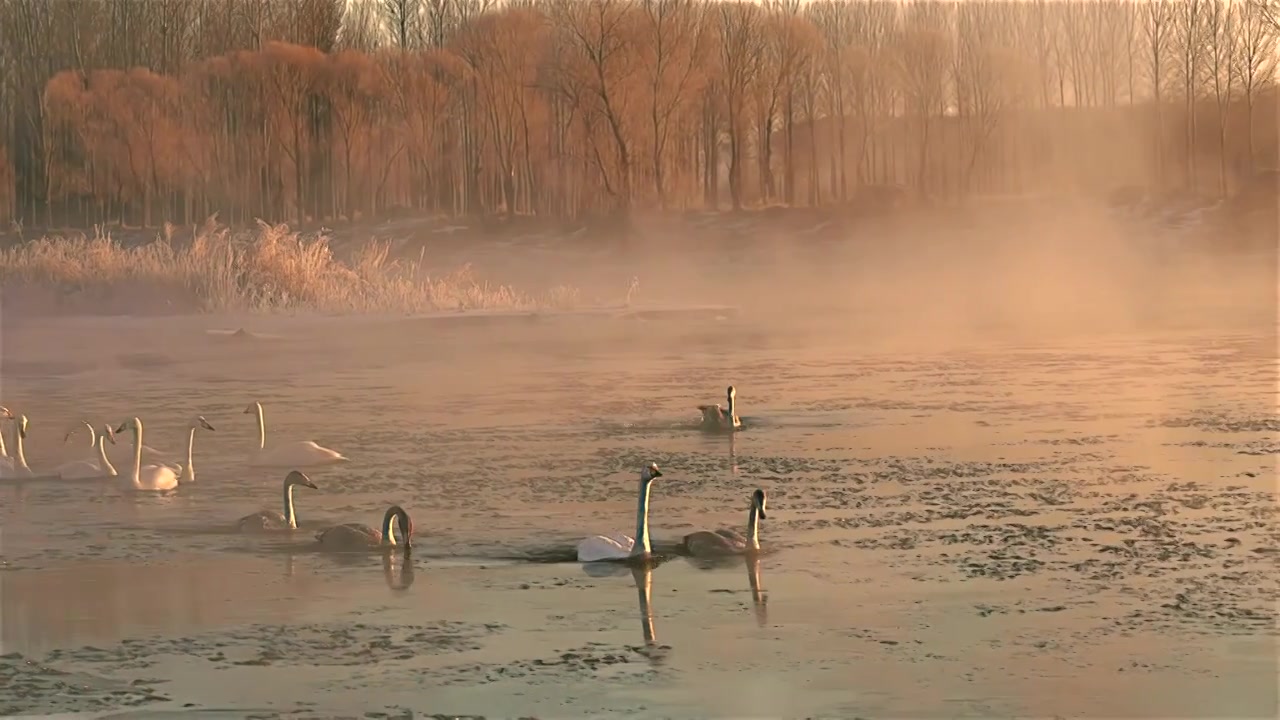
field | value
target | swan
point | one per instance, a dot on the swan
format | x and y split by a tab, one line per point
187	472
303	453
147	478
715	417
730	542
86	469
355	536
266	520
619	546
17	466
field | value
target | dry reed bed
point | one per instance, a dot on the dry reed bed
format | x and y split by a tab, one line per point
265	269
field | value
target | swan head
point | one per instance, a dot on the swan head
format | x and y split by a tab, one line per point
108	433
296	477
650	472
5	413
759	500
200	422
731	393
22	426
404	524
252	409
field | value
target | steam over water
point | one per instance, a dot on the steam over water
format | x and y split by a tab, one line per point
1058	524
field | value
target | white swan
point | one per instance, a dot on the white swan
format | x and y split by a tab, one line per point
17	466
730	542
303	453
86	469
187	471
148	478
715	417
266	520
619	546
356	536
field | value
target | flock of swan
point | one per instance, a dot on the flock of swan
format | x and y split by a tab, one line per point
159	474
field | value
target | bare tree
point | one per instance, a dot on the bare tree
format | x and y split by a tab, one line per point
1254	60
675	44
741	55
1157	31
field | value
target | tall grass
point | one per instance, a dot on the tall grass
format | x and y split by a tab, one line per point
265	269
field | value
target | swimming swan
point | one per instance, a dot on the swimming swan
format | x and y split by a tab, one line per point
187	472
87	469
267	520
620	547
355	536
730	542
17	466
715	417
147	478
303	453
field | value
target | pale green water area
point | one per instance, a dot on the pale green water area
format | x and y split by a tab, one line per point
1075	526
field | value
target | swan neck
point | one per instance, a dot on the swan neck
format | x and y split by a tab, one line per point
103	462
137	452
189	469
289	515
93	434
4	451
733	407
262	428
641	546
388	537
753	527
19	456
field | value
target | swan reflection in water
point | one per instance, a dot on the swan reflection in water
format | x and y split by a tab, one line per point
405	573
642	574
759	596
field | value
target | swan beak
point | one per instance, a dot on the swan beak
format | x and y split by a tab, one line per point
123	425
311	485
67	437
762	515
204	424
655	473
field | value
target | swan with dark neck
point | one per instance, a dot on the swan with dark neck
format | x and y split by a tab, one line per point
270	520
357	536
731	542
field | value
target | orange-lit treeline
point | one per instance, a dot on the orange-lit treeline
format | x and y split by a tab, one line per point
141	111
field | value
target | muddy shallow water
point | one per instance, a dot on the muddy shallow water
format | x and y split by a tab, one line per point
1080	526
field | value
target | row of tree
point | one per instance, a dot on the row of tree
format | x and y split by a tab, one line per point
144	110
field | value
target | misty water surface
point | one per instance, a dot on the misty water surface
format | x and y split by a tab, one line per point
1074	527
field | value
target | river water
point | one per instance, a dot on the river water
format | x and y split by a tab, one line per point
1080	525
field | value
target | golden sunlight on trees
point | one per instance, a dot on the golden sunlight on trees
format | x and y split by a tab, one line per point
327	110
